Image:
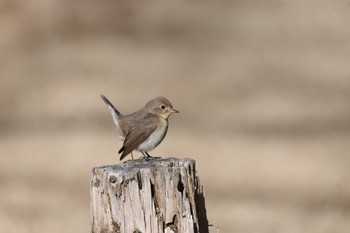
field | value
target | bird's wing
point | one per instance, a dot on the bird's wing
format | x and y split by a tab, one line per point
137	133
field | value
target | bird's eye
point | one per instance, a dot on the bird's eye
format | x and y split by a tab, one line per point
162	106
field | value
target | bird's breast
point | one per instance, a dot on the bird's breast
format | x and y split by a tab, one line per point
156	137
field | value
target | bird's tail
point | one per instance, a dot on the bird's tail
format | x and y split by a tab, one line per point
115	113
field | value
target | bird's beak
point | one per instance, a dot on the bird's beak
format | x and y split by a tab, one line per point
174	111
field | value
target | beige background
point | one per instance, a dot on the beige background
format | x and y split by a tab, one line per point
263	88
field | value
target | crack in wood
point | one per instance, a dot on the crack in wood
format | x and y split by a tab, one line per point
139	179
116	227
97	183
152	190
173	225
180	185
112	179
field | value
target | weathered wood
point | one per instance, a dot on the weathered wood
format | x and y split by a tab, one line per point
148	196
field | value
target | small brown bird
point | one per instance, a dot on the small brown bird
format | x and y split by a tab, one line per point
142	130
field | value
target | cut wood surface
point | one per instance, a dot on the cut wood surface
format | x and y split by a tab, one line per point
148	196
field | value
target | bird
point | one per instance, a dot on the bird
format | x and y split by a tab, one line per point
144	129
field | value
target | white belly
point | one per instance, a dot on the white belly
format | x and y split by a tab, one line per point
155	138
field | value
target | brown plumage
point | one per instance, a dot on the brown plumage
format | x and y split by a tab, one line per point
144	129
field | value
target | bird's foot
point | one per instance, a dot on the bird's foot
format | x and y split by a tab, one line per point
147	156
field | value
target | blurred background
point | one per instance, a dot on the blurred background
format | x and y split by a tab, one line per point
263	88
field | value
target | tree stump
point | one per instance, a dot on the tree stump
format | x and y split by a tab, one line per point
148	196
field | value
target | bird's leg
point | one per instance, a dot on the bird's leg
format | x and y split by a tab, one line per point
132	157
146	155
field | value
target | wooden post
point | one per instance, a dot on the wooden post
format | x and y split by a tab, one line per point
148	196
